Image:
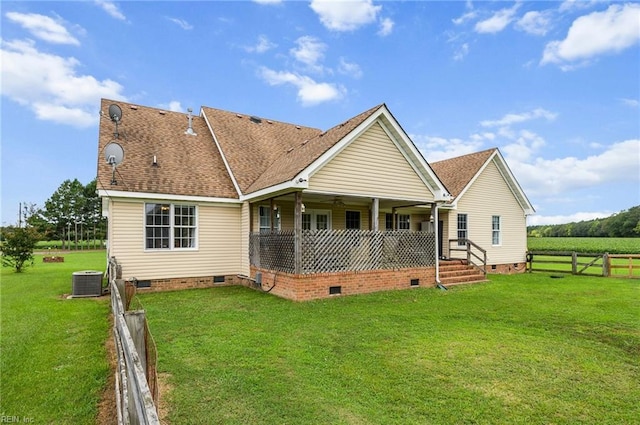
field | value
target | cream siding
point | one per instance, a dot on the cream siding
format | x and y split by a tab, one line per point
219	243
371	166
489	195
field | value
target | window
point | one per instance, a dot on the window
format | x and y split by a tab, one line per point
170	226
352	220
316	220
388	221
265	219
462	229
495	230
404	222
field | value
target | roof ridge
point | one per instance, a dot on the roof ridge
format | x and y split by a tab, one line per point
465	155
272	121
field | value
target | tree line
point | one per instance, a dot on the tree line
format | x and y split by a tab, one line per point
71	215
625	224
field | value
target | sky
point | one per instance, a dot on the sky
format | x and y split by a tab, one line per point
554	85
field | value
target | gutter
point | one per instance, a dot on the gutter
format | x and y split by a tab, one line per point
436	230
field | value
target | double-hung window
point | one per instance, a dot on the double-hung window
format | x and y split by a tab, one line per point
404	222
462	229
265	218
169	226
495	230
352	220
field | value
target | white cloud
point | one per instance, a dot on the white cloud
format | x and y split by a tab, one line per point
609	31
469	16
309	51
50	85
462	52
632	103
535	23
511	118
386	27
498	21
181	23
43	27
263	45
174	106
349	68
436	148
620	162
345	15
112	9
310	92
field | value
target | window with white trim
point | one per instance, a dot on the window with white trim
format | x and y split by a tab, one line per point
169	226
462	229
496	238
265	218
316	220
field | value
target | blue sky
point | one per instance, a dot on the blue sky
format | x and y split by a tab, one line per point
554	85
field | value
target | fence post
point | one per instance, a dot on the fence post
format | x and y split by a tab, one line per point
574	262
606	262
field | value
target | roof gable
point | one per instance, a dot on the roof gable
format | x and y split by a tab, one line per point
459	173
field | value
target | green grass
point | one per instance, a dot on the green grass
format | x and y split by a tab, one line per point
595	245
53	365
521	349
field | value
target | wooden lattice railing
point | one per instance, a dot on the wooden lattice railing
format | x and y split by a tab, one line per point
327	251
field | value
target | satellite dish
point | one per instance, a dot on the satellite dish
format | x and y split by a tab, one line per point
115	113
113	154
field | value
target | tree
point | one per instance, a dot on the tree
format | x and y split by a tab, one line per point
17	248
64	208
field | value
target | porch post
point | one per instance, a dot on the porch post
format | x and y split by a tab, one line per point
393	219
297	232
375	212
272	214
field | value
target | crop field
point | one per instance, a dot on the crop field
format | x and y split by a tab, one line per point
610	245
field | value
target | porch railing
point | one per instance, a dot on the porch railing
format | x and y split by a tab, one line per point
476	256
328	251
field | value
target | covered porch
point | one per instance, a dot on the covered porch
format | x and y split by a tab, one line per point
326	244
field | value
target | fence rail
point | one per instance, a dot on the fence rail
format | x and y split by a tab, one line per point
587	264
325	251
135	378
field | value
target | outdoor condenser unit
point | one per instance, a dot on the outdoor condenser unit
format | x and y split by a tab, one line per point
87	283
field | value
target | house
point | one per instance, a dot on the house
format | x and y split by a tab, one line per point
227	198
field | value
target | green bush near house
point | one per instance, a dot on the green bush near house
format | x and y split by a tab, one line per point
520	349
53	367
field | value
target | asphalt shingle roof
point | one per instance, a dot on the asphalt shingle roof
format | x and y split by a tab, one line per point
456	173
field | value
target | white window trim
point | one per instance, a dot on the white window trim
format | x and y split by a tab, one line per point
314	215
278	218
171	248
499	230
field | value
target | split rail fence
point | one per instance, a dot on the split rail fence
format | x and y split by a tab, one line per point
586	264
136	384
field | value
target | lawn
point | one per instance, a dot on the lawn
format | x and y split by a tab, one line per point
520	349
53	365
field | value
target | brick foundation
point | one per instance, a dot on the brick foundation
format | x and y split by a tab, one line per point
175	284
302	287
511	268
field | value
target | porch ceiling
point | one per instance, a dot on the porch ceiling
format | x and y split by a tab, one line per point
350	200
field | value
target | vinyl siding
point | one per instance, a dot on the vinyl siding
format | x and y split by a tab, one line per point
338	215
371	166
489	195
219	240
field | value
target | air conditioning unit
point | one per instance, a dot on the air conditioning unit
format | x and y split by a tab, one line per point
87	283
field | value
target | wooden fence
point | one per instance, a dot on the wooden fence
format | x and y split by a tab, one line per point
136	380
586	264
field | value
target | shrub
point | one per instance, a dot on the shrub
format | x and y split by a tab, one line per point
17	248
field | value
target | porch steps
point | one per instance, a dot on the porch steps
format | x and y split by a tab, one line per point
457	272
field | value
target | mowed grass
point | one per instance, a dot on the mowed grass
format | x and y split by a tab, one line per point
518	350
53	364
